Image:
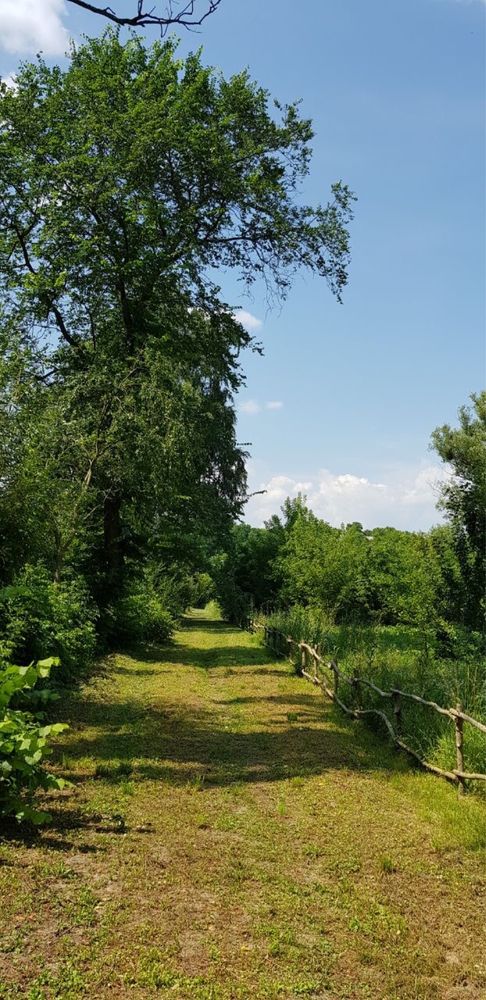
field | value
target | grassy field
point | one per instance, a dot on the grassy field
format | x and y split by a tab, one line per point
228	836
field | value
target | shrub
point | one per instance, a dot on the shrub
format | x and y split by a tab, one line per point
203	590
23	744
39	616
173	588
140	615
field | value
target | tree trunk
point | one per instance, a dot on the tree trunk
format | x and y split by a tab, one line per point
113	547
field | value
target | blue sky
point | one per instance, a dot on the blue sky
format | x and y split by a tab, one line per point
395	89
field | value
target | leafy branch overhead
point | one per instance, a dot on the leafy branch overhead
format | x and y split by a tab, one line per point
189	14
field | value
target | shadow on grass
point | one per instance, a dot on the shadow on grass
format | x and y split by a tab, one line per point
210	658
304	700
208	625
129	671
175	745
53	835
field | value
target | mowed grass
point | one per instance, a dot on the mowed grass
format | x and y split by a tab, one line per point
228	836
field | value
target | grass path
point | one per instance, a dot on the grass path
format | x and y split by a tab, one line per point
228	836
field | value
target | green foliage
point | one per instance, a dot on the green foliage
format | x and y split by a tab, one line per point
463	498
235	605
323	566
141	615
23	744
39	616
254	559
431	581
245	575
174	586
202	590
349	574
355	575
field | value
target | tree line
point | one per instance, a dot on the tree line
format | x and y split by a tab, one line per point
433	579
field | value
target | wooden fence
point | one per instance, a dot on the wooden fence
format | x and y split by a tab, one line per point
311	665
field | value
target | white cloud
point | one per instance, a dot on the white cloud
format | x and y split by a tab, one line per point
248	320
33	25
250	406
406	499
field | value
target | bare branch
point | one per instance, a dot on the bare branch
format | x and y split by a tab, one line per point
187	16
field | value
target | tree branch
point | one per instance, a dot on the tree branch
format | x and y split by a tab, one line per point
51	306
187	16
49	302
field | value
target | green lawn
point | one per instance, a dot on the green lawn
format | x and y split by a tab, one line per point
228	836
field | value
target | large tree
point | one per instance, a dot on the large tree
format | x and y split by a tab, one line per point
126	182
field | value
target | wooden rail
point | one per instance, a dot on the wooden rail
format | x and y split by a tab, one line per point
311	666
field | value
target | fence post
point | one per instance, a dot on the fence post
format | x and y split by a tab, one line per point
302	659
335	678
397	712
356	689
459	725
